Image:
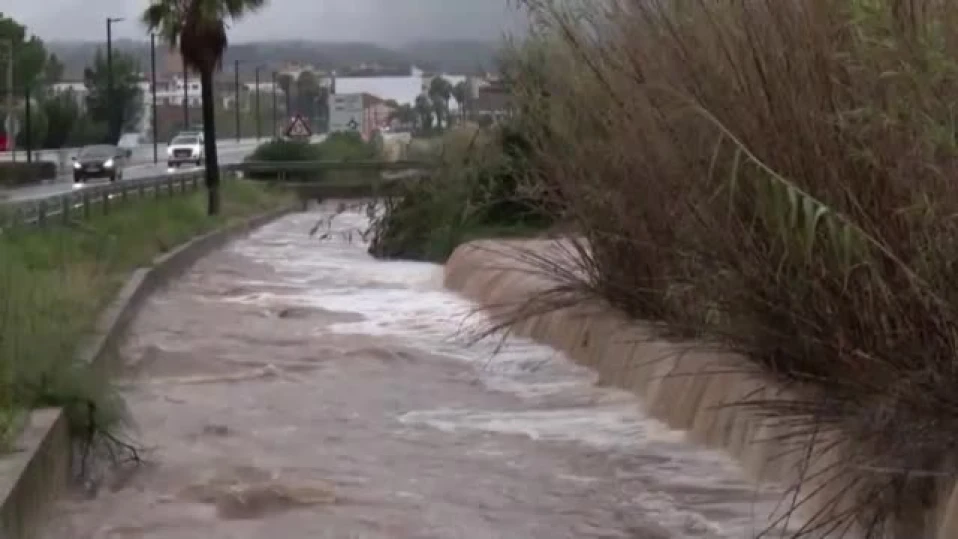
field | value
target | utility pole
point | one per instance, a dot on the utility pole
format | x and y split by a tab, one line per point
289	103
28	139
115	119
156	157
259	127
236	91
11	114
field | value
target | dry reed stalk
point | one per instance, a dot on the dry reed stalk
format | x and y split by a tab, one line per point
773	178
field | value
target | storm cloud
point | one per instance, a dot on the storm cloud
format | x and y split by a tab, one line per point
378	21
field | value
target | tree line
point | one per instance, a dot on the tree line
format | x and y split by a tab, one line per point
431	111
65	118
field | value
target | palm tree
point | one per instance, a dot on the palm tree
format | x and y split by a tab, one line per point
199	28
425	110
460	92
403	114
440	92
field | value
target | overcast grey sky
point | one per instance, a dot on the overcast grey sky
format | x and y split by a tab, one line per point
382	21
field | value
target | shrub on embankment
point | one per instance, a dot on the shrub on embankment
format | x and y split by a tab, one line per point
473	193
55	281
336	147
16	173
775	179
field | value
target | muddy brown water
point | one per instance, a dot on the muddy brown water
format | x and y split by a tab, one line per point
294	388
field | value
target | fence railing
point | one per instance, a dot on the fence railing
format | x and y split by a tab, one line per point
83	202
143	153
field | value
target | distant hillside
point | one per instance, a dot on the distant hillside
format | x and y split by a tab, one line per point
453	57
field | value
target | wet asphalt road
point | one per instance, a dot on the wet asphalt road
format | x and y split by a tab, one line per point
64	184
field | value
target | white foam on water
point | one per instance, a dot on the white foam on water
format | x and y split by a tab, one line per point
405	300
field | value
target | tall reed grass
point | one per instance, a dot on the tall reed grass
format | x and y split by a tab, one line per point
774	178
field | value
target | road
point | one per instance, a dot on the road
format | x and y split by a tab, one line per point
228	152
64	184
141	154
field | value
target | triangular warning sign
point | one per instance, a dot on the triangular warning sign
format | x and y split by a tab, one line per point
298	128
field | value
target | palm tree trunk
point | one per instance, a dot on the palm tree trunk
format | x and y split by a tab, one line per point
209	143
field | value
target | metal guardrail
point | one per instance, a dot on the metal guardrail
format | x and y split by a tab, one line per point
280	167
81	203
144	149
62	157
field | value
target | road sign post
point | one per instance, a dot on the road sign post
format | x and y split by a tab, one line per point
298	128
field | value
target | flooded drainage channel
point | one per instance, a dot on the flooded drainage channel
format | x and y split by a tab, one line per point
292	388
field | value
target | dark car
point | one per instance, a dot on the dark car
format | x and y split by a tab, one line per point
100	161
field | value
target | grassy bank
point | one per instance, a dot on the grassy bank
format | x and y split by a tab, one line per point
54	283
775	179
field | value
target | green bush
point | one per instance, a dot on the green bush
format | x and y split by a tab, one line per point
346	146
285	150
336	147
475	193
22	173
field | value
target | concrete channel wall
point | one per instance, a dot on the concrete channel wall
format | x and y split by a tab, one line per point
37	472
691	390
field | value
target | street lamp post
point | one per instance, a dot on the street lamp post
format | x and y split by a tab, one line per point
258	118
156	157
114	123
236	91
186	97
275	119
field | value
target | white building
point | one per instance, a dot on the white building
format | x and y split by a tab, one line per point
76	89
171	92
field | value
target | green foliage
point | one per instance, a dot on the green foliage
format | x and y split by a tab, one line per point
66	123
346	146
475	194
122	111
336	147
30	56
404	114
311	99
53	70
23	173
440	92
285	150
38	123
424	108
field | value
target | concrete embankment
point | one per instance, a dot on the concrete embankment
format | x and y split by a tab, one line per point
690	389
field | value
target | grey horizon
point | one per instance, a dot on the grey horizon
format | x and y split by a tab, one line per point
387	22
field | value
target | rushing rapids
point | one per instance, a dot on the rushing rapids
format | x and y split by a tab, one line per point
294	387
